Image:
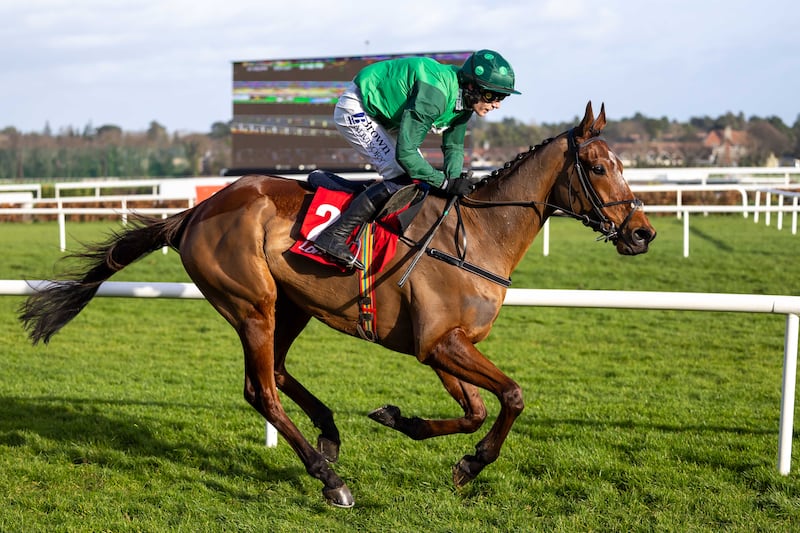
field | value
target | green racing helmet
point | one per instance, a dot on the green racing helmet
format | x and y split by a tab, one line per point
490	71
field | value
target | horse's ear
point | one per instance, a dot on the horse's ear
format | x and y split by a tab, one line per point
600	121
584	128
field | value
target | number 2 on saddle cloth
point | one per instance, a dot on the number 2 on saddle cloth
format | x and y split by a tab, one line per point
325	208
375	244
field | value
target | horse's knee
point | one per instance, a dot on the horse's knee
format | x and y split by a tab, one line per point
512	399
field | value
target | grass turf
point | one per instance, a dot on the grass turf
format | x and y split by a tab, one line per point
132	418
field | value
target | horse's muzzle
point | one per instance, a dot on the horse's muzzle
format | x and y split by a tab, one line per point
636	240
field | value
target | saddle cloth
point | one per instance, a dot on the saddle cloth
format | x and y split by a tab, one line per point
324	209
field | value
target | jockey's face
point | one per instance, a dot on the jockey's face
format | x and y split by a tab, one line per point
481	108
488	101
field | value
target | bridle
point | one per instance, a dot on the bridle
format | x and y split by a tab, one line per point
598	220
601	223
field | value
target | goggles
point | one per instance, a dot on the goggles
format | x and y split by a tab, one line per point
491	96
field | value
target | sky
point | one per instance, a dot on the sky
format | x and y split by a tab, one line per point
73	63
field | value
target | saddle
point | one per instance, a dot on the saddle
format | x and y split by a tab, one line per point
332	194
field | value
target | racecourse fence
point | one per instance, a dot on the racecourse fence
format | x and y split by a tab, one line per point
114	197
675	301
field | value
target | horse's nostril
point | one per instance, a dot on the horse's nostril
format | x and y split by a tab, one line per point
643	235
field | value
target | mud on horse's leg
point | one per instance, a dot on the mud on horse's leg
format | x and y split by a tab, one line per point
261	391
456	355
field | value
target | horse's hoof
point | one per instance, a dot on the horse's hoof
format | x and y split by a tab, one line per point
328	449
466	470
339	497
386	415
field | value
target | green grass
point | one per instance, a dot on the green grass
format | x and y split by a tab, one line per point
132	419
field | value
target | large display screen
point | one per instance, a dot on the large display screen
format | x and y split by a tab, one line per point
283	109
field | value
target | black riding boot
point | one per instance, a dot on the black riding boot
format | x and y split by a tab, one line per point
333	239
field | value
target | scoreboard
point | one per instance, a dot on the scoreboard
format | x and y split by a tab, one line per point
283	114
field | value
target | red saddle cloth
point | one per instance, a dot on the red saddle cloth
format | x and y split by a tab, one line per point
324	209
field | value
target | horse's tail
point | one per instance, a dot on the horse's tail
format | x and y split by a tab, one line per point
49	309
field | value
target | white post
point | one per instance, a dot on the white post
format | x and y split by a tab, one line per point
787	394
62	227
780	213
757	204
164	249
794	215
686	234
546	238
271	435
768	214
744	201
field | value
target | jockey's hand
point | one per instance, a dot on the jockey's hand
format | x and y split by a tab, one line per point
463	185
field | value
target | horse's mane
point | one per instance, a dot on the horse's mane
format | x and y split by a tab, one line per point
511	166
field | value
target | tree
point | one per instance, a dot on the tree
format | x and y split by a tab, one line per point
766	140
157	133
88	131
109	133
796	136
736	122
220	130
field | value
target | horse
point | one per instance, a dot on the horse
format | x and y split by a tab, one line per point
235	247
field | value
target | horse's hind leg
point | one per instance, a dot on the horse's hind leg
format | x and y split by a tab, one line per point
465	394
256	333
289	322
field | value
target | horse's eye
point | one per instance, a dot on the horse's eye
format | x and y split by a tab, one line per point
599	169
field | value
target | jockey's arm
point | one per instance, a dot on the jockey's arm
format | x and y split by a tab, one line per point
425	106
453	148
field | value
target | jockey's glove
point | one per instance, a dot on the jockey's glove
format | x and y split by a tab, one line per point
461	186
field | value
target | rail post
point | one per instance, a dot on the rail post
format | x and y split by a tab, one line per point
787	394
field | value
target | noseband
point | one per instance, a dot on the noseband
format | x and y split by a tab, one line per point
600	223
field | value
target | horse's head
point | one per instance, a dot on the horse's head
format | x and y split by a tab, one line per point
596	192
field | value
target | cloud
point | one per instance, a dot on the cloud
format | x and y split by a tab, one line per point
132	61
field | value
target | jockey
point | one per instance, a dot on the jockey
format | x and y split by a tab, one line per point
385	115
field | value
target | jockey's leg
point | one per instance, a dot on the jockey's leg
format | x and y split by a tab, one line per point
333	239
378	146
368	137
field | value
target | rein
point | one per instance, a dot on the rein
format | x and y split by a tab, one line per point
601	223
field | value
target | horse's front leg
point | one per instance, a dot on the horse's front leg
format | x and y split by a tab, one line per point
465	394
455	354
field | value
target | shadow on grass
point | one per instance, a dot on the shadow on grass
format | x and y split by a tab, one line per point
629	424
86	430
722	447
716	242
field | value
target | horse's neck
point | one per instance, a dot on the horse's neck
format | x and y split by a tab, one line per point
512	229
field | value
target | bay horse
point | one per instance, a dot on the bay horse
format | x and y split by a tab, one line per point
235	247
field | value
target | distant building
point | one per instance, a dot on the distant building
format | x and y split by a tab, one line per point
727	146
